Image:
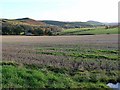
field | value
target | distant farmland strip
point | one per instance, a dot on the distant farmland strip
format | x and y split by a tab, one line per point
89	31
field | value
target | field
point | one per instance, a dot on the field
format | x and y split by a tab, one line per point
89	61
89	31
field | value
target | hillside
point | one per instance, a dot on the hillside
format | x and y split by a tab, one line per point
95	23
23	21
112	24
73	24
31	21
90	31
27	26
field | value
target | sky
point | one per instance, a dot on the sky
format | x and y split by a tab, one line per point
61	10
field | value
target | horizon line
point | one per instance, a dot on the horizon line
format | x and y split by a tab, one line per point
61	20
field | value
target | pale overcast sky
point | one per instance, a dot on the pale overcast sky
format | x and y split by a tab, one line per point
63	10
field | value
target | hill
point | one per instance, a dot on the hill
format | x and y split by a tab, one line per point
95	23
27	26
74	24
112	24
31	21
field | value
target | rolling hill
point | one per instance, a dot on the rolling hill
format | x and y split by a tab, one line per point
43	27
95	23
74	24
27	26
31	21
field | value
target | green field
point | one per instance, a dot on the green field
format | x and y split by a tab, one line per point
31	76
15	76
89	31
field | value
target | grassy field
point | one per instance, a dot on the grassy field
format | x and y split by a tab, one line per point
60	61
89	31
30	76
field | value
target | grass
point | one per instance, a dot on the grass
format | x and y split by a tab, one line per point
31	76
89	31
80	53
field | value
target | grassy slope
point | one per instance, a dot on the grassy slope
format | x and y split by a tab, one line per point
74	24
32	76
89	31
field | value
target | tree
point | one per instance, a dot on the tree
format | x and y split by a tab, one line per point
50	33
38	32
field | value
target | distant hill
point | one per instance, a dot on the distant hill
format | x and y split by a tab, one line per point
111	24
43	27
73	24
30	21
27	26
63	24
23	21
95	23
57	23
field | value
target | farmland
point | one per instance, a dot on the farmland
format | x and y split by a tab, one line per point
89	31
60	61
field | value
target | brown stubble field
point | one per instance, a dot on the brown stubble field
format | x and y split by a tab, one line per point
60	51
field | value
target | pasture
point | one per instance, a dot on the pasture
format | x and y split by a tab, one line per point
89	61
89	31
